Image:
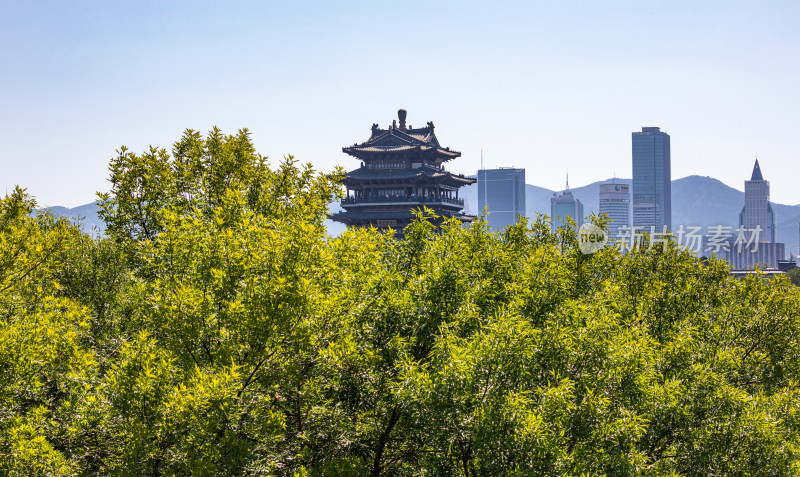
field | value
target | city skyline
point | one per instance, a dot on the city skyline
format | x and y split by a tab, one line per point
536	85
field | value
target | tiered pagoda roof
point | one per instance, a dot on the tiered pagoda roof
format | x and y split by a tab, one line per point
401	171
420	143
422	173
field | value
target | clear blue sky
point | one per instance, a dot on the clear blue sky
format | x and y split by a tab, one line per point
549	86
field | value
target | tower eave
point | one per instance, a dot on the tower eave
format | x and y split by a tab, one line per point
429	153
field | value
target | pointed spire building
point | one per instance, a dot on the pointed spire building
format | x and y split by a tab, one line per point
757	210
565	206
757	176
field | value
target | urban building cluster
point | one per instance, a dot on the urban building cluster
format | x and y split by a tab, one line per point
402	170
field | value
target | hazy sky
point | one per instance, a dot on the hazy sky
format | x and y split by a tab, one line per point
551	86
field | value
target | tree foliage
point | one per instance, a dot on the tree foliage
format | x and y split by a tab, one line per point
218	330
794	275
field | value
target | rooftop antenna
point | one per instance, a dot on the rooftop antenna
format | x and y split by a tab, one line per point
567	180
481	159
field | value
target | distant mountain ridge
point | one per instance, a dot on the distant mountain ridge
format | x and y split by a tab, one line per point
696	200
84	215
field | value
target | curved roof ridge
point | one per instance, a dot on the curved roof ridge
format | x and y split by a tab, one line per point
402	139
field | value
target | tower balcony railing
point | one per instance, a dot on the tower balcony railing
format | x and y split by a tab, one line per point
411	199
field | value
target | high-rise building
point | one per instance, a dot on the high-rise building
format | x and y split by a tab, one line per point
502	193
757	211
652	191
761	255
755	245
563	206
615	202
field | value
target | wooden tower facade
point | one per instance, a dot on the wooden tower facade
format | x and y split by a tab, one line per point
402	169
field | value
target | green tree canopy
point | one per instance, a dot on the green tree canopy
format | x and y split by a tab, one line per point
794	275
219	330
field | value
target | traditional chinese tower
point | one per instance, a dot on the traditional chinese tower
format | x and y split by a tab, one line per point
401	170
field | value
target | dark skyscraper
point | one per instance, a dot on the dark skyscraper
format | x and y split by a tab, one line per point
503	192
652	194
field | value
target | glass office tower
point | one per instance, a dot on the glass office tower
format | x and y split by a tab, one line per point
615	202
503	192
652	191
563	207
